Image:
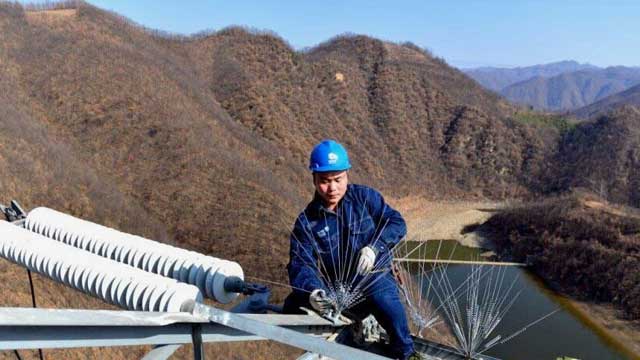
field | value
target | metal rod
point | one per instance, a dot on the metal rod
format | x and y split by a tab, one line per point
33	303
161	352
33	293
196	337
466	262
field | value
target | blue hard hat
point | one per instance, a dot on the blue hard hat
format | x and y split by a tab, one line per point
327	156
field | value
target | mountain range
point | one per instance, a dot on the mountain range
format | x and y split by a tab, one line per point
573	90
628	97
497	78
562	86
202	141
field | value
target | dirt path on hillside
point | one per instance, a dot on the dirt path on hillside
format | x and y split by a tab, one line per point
438	220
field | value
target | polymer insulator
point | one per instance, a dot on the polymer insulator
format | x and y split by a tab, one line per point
113	282
206	272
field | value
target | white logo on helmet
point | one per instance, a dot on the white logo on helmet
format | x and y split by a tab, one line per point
333	158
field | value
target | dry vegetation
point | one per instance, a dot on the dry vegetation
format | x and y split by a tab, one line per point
583	247
603	156
203	140
209	135
452	220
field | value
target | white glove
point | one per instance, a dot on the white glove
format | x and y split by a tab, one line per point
319	301
366	261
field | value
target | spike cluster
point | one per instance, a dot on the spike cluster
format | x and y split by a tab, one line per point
472	309
206	272
343	296
486	301
118	284
338	272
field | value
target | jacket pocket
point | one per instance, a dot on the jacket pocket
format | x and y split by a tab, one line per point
362	226
362	232
326	240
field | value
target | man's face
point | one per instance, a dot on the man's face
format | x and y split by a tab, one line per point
331	186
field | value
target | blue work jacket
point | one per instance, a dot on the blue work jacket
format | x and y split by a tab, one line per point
325	245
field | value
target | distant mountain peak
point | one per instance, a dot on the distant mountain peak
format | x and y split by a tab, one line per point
562	63
571	90
499	78
622	100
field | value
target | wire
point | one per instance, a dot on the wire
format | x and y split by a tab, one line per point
33	293
277	283
33	303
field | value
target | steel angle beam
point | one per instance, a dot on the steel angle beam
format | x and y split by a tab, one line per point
284	335
161	352
34	337
20	316
22	328
26	328
432	350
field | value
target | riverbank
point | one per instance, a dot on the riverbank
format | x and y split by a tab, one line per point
603	319
437	220
431	220
621	334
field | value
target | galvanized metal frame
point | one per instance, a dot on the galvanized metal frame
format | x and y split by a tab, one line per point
27	328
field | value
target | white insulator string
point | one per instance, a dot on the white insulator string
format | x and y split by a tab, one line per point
206	272
115	283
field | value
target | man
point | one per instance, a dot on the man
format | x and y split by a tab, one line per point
341	250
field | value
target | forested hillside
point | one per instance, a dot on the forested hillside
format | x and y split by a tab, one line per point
202	141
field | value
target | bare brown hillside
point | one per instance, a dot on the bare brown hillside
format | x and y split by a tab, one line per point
203	140
413	123
136	115
603	156
210	134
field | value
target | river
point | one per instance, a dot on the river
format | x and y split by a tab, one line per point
563	334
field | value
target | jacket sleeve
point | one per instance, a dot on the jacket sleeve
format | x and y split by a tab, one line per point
303	265
390	226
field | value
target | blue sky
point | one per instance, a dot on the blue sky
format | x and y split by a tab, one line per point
465	33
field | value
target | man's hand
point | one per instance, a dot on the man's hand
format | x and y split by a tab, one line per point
320	302
366	261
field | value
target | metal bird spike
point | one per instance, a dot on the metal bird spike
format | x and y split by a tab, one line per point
472	309
345	288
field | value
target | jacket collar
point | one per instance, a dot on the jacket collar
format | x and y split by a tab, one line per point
316	207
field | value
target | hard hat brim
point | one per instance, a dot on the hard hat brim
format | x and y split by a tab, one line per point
324	169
